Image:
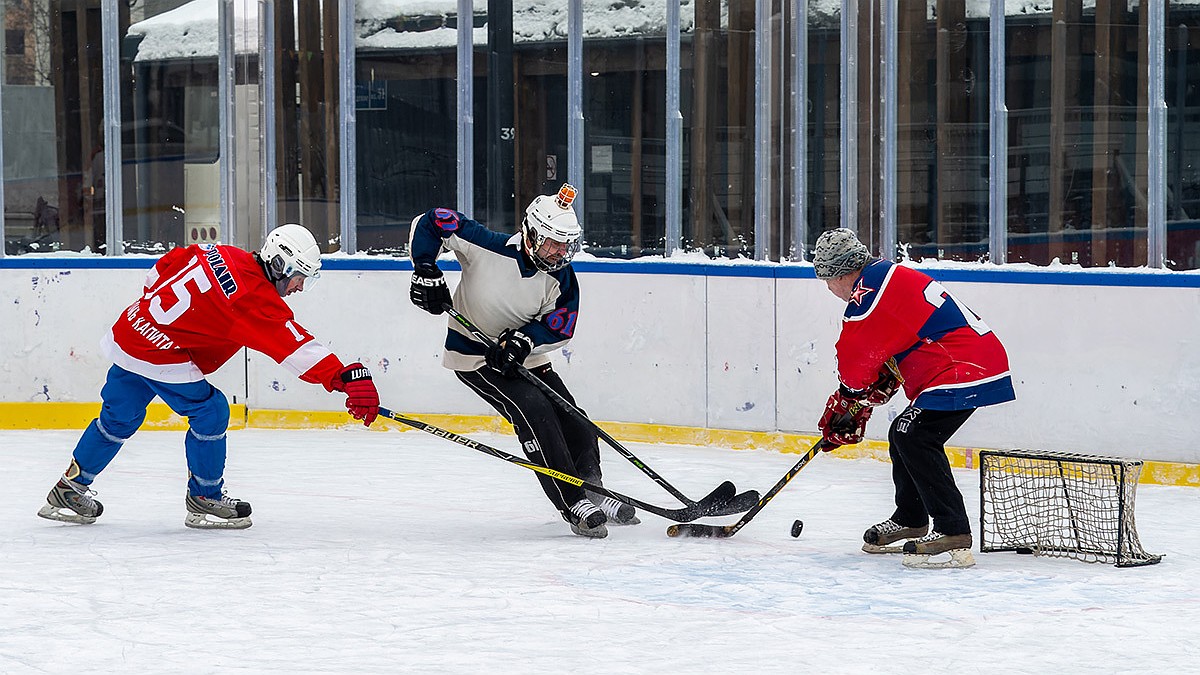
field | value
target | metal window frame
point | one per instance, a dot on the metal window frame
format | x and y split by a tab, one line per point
848	124
227	127
465	99
347	127
674	154
266	117
997	137
110	62
1156	179
889	71
799	247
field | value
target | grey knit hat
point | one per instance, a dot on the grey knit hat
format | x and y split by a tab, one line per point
839	252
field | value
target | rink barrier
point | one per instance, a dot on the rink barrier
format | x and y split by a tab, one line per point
160	418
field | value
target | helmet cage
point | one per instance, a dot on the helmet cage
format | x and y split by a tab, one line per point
549	251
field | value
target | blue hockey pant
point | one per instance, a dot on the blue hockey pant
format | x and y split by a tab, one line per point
125	396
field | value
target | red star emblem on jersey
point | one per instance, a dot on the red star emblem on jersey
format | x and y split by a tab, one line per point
860	291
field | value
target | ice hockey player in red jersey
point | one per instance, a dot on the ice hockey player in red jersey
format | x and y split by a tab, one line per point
200	305
902	328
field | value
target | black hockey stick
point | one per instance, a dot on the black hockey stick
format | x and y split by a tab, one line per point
726	531
709	505
738	504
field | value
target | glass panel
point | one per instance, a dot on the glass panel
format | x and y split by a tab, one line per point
942	120
53	139
170	129
1077	169
824	123
625	148
406	118
717	94
307	123
540	86
1183	137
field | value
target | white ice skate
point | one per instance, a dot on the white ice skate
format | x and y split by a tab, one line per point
224	513
939	551
71	502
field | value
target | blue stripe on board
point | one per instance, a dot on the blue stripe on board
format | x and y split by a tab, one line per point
983	274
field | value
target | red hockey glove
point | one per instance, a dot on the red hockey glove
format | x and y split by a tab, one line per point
884	387
362	399
508	352
845	419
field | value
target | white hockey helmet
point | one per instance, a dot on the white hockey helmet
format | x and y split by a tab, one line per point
291	253
551	231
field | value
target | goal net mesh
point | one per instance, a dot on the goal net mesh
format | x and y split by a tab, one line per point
1061	504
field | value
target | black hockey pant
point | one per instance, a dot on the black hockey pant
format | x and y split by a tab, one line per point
550	436
921	471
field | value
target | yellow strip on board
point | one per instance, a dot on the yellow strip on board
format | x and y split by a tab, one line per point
78	415
160	418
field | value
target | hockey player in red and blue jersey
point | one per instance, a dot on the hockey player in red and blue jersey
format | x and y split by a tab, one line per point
902	328
520	290
200	305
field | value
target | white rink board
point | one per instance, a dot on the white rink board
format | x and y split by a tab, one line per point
1099	369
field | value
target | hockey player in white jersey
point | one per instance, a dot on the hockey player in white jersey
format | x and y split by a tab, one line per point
519	289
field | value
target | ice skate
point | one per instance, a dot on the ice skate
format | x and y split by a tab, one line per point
71	502
879	537
618	513
918	553
587	520
223	513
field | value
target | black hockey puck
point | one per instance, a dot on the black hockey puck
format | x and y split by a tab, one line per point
1024	551
797	528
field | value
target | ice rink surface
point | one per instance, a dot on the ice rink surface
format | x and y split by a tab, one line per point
389	552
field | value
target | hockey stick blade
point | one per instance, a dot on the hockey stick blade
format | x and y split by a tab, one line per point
738	504
700	530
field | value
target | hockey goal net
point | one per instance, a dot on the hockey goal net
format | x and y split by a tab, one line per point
1060	504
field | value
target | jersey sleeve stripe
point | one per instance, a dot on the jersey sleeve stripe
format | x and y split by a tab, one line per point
305	357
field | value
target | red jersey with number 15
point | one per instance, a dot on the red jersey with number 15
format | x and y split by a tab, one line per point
200	305
947	355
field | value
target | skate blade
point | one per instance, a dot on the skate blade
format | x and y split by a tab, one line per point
959	558
622	523
204	521
598	532
875	548
64	515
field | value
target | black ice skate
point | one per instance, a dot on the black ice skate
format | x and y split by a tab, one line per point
587	520
224	513
879	536
618	513
917	553
71	502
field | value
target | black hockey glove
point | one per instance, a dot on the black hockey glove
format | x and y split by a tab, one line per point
428	290
509	352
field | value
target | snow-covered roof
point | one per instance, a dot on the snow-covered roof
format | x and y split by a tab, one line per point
191	30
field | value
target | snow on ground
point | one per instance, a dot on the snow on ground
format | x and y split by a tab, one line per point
389	552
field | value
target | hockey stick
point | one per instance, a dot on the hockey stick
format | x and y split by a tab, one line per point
709	505
726	531
737	504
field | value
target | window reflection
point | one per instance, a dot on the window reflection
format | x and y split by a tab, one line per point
1077	166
